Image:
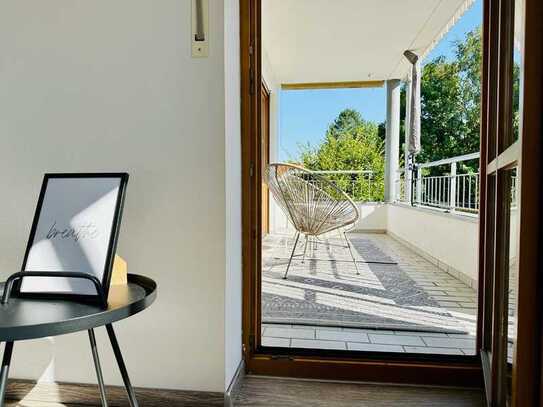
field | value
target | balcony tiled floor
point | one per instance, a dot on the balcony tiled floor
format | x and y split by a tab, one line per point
452	295
319	337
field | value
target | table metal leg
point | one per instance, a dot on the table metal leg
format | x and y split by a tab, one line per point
6	360
122	366
94	349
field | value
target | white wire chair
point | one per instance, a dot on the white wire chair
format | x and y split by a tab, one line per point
313	204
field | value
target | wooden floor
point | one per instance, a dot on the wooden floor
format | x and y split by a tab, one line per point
253	391
270	392
24	393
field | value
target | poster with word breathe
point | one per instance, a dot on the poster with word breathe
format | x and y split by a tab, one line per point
73	232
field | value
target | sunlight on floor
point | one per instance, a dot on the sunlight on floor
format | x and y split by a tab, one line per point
430	310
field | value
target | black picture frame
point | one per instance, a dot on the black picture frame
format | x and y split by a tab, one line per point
112	243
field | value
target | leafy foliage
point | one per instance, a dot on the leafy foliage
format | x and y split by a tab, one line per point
451	97
351	143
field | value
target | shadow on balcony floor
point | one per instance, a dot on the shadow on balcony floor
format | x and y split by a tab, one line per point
395	290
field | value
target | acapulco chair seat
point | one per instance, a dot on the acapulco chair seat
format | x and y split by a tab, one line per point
313	204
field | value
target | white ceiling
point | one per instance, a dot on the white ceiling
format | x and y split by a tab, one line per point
351	40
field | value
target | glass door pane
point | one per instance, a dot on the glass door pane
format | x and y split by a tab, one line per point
492	62
514	180
490	225
518	41
512	275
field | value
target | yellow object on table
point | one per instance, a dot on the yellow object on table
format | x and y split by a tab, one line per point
120	271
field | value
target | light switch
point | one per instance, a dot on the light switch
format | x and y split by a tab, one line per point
200	28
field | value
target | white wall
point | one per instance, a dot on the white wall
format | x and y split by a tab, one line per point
452	240
233	287
110	86
275	97
373	218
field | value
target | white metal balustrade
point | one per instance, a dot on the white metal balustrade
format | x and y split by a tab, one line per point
454	189
358	184
451	191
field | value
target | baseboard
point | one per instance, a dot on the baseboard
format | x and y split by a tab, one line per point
375	231
234	386
86	394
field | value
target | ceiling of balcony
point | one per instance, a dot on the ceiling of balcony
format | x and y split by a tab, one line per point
351	40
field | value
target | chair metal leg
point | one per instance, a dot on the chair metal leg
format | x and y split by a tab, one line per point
96	359
305	248
292	254
6	360
122	367
351	251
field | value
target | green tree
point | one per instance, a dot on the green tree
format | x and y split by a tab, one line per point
350	143
350	120
450	97
347	120
451	103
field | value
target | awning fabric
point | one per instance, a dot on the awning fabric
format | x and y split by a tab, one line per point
413	136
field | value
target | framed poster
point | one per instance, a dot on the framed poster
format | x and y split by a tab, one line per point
75	229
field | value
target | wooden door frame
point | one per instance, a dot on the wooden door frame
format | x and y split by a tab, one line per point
501	42
527	390
309	363
527	361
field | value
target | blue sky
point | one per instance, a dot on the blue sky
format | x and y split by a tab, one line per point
305	115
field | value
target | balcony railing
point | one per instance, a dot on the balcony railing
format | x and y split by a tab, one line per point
451	184
446	189
360	185
452	191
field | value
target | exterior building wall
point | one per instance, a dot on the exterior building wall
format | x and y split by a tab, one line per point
447	240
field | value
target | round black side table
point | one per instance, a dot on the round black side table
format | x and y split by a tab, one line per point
25	318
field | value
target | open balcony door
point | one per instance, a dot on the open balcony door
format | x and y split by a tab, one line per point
506	157
462	370
511	231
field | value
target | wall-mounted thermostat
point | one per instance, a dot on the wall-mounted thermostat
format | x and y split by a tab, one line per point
200	28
